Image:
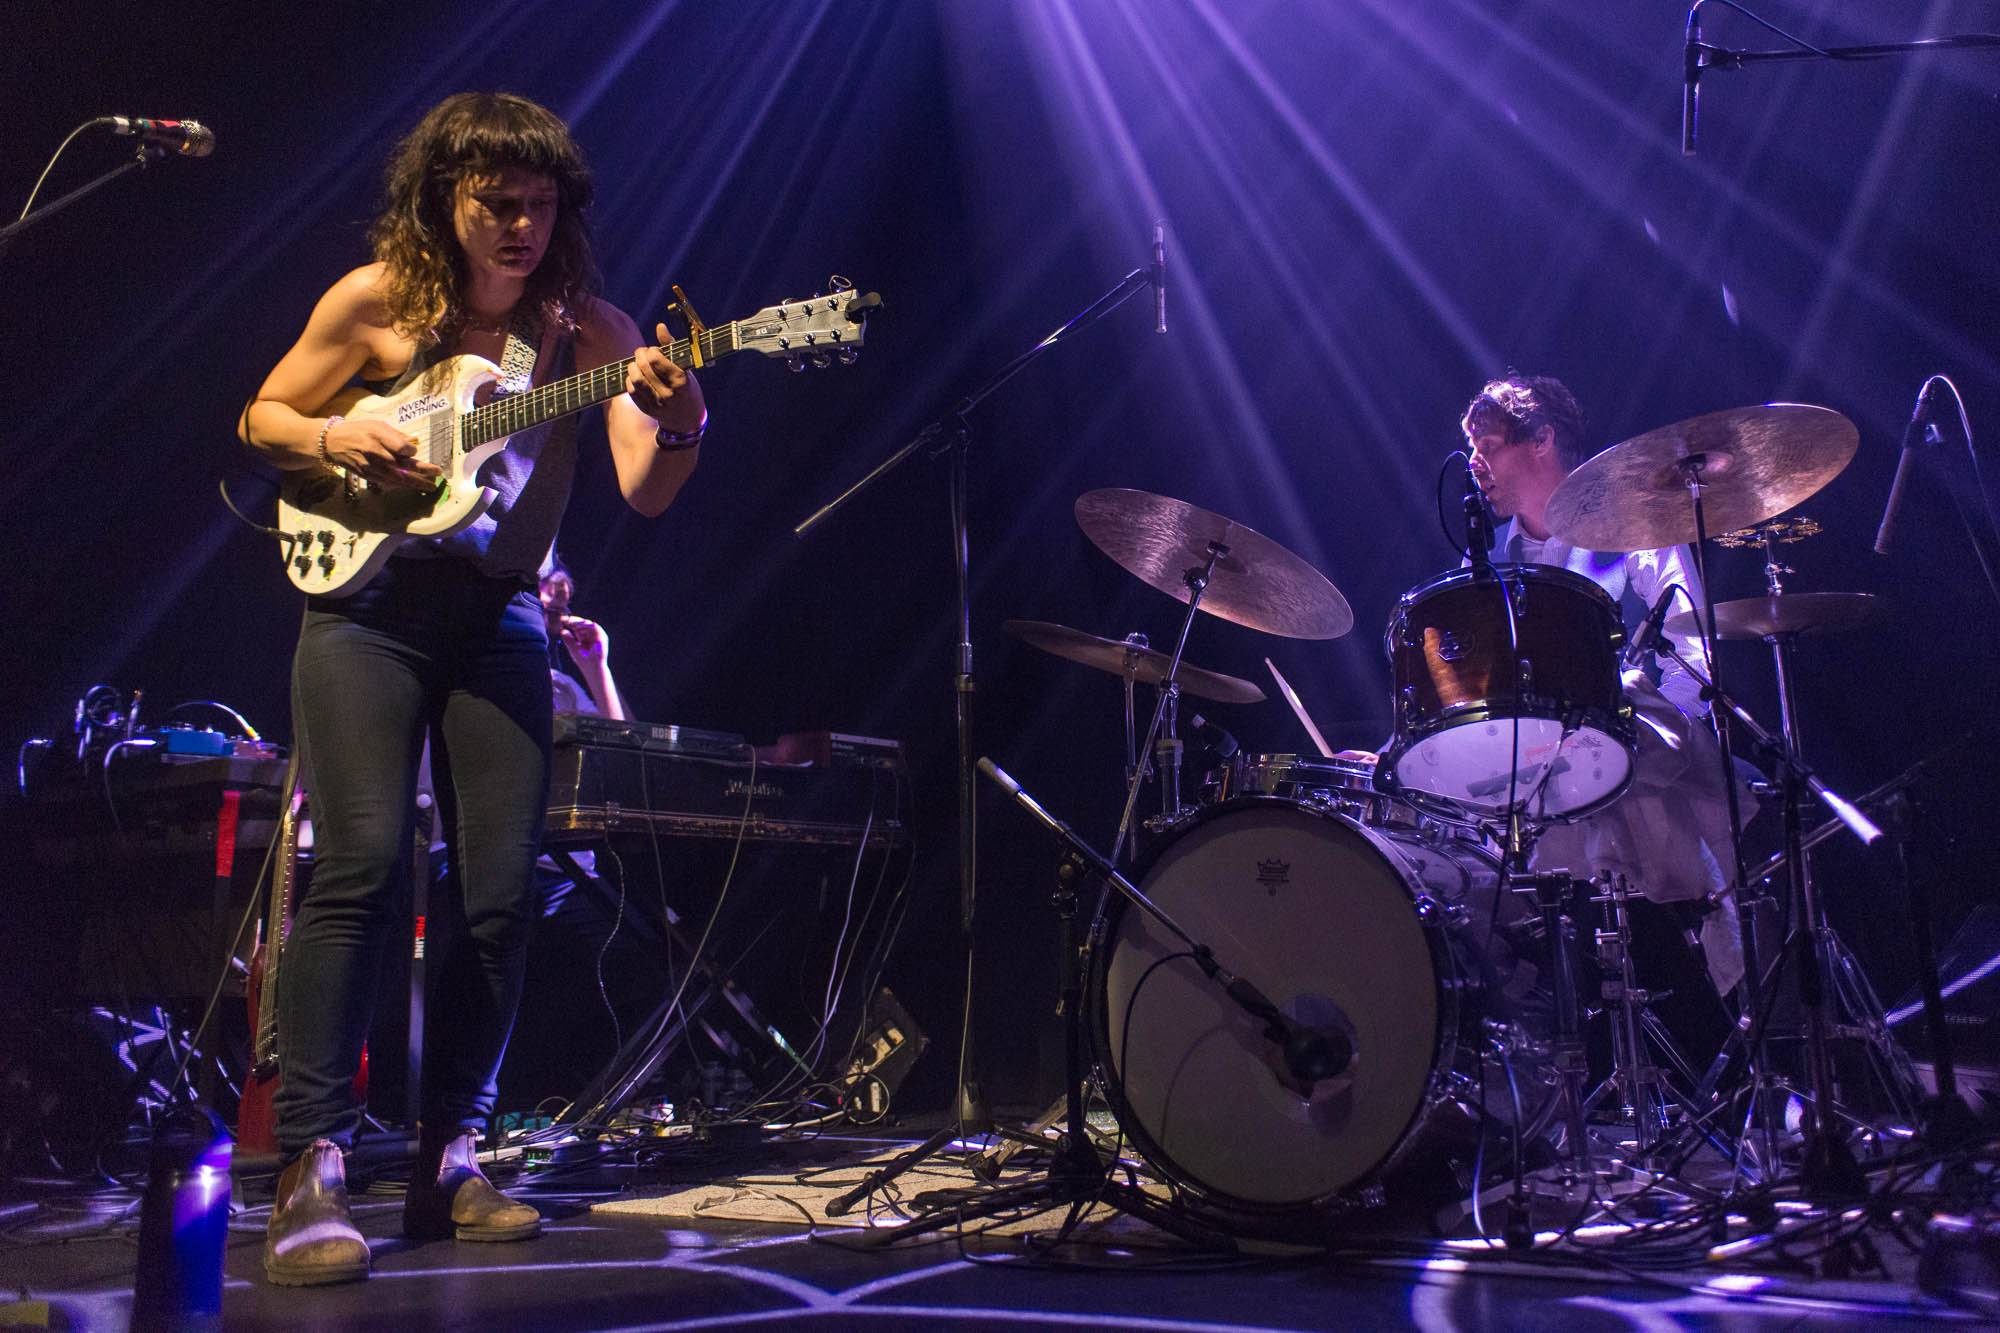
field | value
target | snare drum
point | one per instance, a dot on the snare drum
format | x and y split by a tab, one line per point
1343	785
1494	710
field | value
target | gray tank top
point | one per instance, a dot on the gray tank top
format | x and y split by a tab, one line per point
530	477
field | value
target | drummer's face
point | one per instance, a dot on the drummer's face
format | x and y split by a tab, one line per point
1500	467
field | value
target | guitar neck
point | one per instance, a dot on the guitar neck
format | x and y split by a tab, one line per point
560	398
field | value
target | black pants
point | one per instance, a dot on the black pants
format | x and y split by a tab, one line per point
429	647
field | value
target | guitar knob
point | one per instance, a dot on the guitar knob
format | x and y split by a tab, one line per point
325	538
304	563
305	539
326	563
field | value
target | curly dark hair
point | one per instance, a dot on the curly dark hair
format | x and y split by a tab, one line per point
469	136
1517	406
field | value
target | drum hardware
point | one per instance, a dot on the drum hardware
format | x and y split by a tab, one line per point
1736	468
1213	564
1648	1094
1830	1168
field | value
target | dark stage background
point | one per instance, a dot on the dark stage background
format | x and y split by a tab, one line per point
1371	206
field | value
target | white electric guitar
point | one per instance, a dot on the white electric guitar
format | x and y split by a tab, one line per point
340	530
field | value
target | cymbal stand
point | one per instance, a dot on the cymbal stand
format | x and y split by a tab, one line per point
1829	1167
1197	583
1830	960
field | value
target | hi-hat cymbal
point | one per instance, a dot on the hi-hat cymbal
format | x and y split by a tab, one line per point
1754	463
1257	582
1790	613
1144	665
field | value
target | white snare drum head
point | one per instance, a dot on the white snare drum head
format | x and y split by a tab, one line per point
1307	909
1469	765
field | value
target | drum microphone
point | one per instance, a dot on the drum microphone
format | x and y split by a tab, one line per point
189	138
1691	81
1919	431
1648	632
1215	738
1160	277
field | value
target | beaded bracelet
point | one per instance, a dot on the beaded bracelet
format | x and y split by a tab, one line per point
320	448
674	441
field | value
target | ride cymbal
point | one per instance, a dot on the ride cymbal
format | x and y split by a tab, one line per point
1256	583
1754	463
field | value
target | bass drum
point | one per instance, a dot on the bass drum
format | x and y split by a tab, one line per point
1385	937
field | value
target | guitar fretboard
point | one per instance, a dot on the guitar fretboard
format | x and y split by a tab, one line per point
524	411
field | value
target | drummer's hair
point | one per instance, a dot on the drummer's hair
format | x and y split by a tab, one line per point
1518	406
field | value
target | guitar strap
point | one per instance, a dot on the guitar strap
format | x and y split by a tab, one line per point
517	360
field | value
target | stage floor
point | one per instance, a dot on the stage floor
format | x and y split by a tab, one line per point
689	1264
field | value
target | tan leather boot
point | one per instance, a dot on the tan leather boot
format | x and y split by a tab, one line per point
311	1239
450	1196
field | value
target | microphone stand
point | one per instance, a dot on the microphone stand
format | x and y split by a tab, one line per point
147	152
953	432
1079	1176
1700	55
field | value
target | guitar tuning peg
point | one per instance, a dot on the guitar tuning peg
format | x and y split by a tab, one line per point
836	283
821	360
848	355
795	364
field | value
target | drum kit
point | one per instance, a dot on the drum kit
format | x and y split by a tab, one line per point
1403	983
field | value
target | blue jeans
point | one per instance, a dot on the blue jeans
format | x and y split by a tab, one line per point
430	647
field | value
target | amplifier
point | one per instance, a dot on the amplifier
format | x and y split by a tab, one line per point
612	777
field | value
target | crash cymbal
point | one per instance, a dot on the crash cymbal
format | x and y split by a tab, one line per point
1257	582
1755	462
1788	613
1145	665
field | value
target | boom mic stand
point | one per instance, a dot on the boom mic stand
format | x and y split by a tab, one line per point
1078	1175
953	432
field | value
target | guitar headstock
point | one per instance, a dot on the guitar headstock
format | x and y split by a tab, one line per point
819	330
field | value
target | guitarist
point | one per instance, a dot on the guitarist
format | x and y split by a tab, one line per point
483	247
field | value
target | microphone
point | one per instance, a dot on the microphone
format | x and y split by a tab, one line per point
1691	81
1310	1053
1160	277
1648	632
1906	465
1480	520
1215	738
189	138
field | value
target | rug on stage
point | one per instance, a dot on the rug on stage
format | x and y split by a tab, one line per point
800	1197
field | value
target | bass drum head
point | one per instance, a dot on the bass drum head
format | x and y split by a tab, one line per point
1306	907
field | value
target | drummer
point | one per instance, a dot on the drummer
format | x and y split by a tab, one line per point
1669	833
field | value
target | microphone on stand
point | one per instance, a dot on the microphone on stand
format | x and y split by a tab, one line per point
1919	431
1691	81
1649	629
189	138
1479	519
1160	277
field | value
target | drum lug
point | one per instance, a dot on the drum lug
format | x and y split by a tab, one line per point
1430	911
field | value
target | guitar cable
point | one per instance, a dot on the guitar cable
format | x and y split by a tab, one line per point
266	528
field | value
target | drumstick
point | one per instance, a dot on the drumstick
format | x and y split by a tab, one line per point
1299	709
